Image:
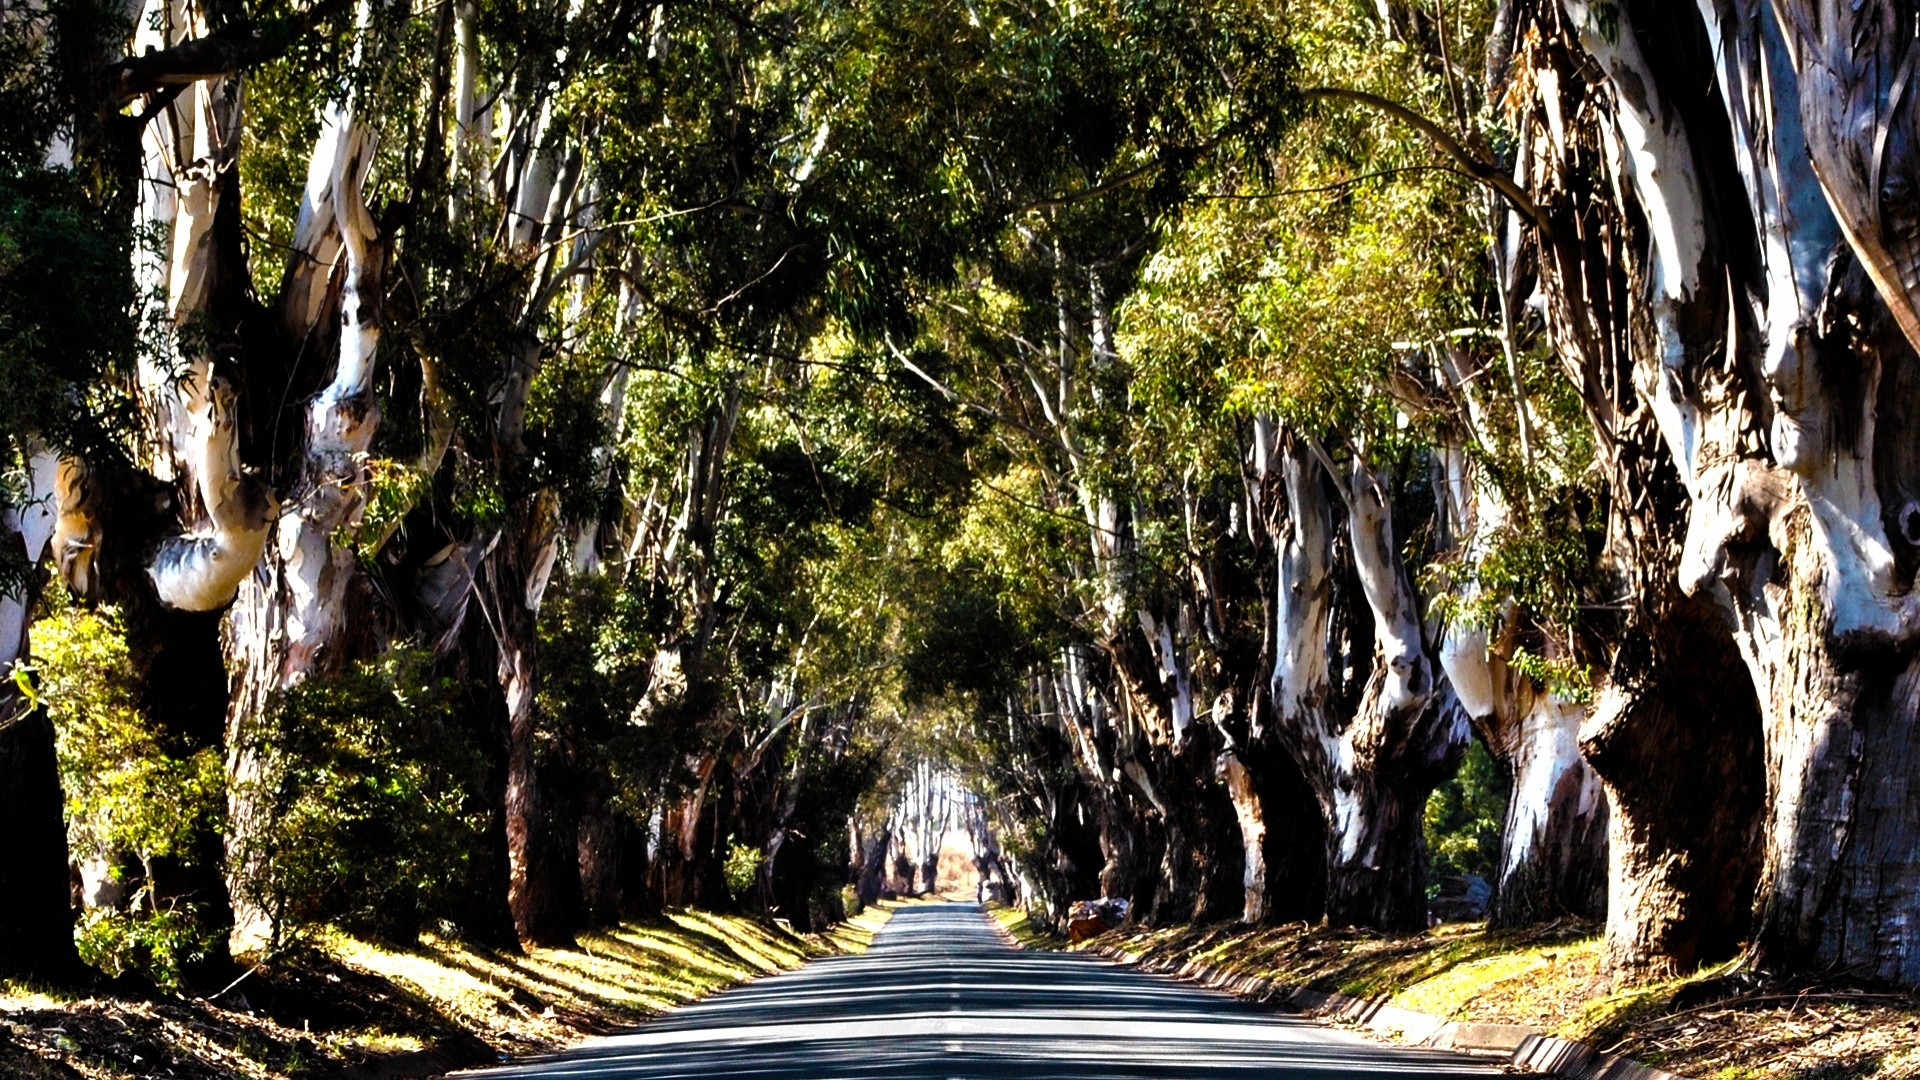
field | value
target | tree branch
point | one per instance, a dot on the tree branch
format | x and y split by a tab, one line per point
223	52
1476	166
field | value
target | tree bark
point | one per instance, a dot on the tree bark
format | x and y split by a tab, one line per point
1769	404
1371	770
1676	739
1553	839
543	884
600	853
36	912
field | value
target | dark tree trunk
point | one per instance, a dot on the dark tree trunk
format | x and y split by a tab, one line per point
1678	747
1386	886
600	852
482	914
543	884
873	866
1294	851
36	909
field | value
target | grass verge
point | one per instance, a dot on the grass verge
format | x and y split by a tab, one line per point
1720	1023
343	1002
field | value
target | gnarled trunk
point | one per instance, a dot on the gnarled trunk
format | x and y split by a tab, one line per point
1677	741
1771	345
1372	770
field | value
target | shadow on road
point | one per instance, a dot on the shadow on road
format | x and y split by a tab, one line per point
941	995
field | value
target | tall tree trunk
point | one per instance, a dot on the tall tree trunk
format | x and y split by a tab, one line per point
1373	770
294	618
543	883
1831	638
1638	262
1798	521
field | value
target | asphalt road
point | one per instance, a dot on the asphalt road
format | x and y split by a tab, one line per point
941	995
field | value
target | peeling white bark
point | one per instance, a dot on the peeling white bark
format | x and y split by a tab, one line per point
201	570
1253	836
1301	678
1656	156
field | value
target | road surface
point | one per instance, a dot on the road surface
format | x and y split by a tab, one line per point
940	995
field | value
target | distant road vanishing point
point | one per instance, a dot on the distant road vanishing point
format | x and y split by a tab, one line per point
941	995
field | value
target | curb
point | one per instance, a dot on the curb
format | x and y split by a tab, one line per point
1527	1047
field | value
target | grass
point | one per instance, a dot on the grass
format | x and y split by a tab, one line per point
346	1000
1024	930
1720	1022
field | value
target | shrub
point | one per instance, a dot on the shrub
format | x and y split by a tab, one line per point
742	871
130	797
361	787
161	943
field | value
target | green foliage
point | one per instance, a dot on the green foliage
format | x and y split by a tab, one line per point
1564	677
162	944
367	779
1463	818
130	798
741	870
126	791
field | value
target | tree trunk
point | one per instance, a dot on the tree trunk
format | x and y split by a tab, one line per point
1294	849
1639	262
1799	520
293	618
873	866
1553	840
543	882
600	852
1252	817
1372	771
36	912
1679	750
36	908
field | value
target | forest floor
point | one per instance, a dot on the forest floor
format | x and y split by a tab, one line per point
1724	1024
348	1007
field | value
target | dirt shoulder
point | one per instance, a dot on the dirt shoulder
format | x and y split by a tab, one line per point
1723	1024
351	1007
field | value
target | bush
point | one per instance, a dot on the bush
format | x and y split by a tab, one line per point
160	944
742	871
131	798
360	786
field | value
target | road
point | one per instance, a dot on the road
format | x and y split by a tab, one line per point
941	995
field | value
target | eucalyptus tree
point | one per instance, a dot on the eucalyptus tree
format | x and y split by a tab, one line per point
161	509
1754	327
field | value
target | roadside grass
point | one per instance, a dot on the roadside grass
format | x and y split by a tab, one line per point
1723	1023
1016	922
342	1001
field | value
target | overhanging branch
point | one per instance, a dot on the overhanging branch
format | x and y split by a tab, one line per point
223	52
1476	166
